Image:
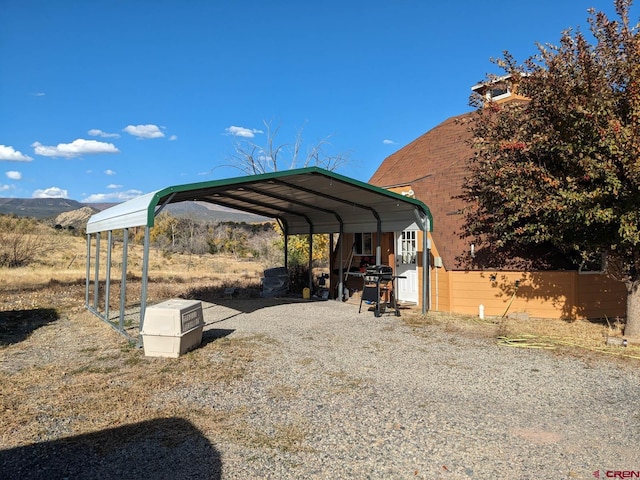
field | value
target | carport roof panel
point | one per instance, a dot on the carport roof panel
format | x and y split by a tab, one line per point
297	197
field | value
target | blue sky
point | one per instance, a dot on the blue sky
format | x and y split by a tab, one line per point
106	100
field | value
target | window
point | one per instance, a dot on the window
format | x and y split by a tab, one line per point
408	247
363	244
498	91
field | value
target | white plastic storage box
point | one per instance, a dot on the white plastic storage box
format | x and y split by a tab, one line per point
172	328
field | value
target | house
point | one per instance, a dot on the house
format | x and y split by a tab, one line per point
432	169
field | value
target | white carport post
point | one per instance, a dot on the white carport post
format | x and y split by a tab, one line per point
88	271
145	273
96	281
123	279
107	292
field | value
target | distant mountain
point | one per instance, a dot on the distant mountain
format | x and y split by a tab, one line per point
100	206
40	208
204	211
51	208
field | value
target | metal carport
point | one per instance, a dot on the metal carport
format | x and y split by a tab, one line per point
304	201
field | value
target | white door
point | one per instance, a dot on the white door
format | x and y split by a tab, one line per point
407	265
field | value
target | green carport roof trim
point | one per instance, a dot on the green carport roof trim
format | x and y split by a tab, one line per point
305	200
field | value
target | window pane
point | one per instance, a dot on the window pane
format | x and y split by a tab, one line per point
366	244
357	247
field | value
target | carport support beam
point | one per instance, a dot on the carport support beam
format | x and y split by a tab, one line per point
107	291
286	250
378	243
340	289
123	280
145	274
426	245
88	271
311	259
96	286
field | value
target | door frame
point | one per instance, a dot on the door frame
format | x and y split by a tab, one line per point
407	288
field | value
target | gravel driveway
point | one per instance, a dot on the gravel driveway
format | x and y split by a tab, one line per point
338	394
377	399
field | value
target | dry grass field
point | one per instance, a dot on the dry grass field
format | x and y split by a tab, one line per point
63	372
59	362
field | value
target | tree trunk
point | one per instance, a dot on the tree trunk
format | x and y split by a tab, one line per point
632	327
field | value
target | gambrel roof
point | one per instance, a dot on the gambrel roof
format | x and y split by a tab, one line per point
434	166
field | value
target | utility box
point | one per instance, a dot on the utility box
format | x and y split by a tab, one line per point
172	328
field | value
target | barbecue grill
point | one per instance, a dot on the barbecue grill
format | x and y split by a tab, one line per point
378	280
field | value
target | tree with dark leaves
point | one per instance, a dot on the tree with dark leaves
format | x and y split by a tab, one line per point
561	171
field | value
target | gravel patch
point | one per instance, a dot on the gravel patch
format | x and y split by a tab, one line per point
372	399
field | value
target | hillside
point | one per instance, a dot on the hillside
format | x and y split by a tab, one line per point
203	211
75	218
40	208
58	211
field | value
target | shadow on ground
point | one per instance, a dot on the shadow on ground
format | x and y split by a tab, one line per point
213	334
17	325
243	302
167	448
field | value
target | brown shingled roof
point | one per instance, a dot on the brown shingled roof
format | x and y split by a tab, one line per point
434	165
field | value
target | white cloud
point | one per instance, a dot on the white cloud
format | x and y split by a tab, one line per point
6	188
10	154
95	132
113	185
144	131
109	172
13	175
173	137
76	148
388	142
241	131
112	197
51	192
38	94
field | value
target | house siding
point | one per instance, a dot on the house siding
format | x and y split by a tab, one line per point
554	295
549	294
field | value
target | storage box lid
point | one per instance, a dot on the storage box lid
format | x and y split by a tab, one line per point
173	317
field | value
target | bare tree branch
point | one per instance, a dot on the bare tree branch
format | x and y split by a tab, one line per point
252	159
